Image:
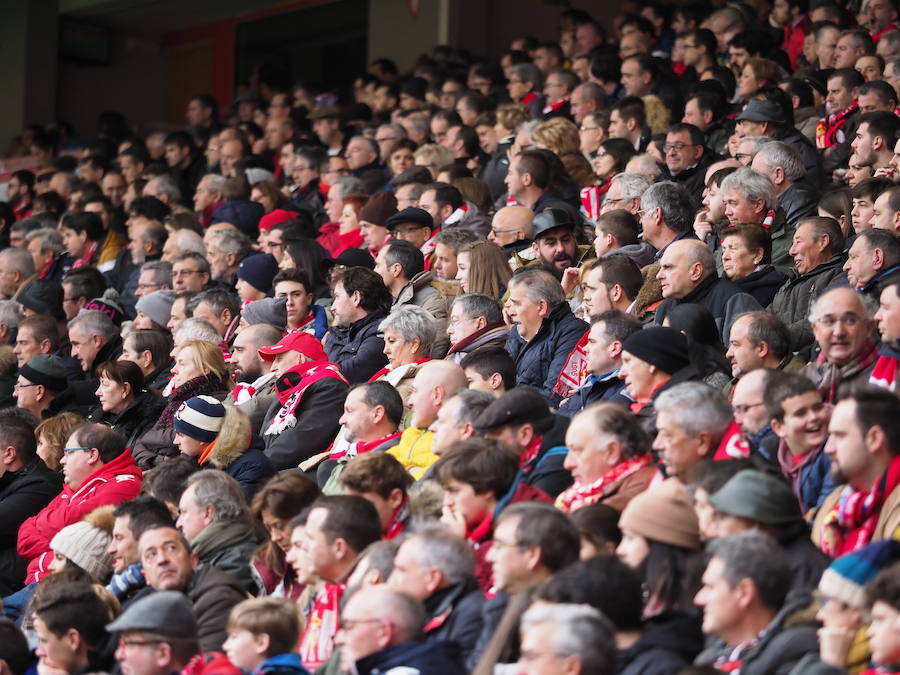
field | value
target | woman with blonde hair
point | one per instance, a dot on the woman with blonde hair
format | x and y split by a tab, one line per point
218	436
433	157
561	137
482	267
658	114
199	370
51	436
756	74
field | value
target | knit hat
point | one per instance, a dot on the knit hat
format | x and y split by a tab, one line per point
267	310
108	304
298	341
157	305
46	369
517	406
412	216
242	213
274	217
664	514
166	613
43	296
380	207
355	257
258	271
846	577
759	497
665	348
200	418
85	543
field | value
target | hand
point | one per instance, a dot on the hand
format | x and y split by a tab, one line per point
454	520
702	227
834	644
888	172
570	279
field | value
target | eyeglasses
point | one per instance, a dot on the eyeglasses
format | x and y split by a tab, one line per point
497	231
143	286
499	543
689	46
848	320
16	387
615	201
668	147
184	273
741	156
77	449
744	409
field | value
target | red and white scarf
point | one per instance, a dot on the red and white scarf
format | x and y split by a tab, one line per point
578	496
312	372
575	371
317	641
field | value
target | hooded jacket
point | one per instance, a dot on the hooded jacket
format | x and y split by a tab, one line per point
540	359
358	348
420	291
113	483
23	493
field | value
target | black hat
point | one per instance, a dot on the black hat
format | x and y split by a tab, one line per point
758	110
166	613
552	218
43	297
355	257
518	406
46	369
660	346
759	497
410	214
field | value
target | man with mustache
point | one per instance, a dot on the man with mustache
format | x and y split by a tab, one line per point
554	245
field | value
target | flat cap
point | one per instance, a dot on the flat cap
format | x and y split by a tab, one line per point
518	406
166	613
759	497
412	215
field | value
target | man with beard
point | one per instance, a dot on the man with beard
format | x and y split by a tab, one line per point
555	246
863	447
19	193
255	389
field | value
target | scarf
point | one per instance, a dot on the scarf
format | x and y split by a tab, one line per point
205	384
792	467
398	520
553	107
393	376
85	260
351	450
830	130
575	371
834	375
527	460
733	444
592	200
317	641
884	374
578	496
850	524
528	98
244	391
290	398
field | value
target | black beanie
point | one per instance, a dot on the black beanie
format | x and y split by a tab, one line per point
665	348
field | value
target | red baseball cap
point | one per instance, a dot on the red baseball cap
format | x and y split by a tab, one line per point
275	217
300	342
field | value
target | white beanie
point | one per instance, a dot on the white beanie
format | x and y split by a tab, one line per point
86	543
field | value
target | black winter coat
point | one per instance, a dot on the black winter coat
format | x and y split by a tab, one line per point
799	201
668	643
724	299
458	610
540	359
23	493
317	424
762	284
428	658
358	349
135	420
213	593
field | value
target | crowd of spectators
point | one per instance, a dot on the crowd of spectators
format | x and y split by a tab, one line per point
584	361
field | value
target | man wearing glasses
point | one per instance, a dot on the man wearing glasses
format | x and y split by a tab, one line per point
190	272
687	157
97	470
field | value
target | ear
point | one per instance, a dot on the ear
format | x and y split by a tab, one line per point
481	322
878	257
164	655
777	427
495	380
261	643
631	124
614	349
356	298
340	548
875	440
46	347
707	116
615	452
468	431
615	293
535	250
378	414
395	498
746	593
706	441
73	639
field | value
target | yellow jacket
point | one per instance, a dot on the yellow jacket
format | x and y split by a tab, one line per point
414	451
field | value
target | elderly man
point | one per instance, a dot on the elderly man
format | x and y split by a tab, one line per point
625	191
476	320
745	602
873	261
169	565
817	250
667	215
750	414
16	265
687	274
842	327
750	197
545	330
97	470
513	229
362	158
382	632
577	638
692	421
609	458
455	420
760	340
215	519
437	567
782	164
225	251
435	382
95	339
687	157
603	356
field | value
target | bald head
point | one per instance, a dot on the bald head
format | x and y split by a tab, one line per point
683	266
389	618
435	382
746	400
841	325
511	224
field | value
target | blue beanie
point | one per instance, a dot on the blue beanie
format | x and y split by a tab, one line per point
258	271
200	418
846	577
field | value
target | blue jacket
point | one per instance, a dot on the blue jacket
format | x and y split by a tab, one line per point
282	664
540	359
608	387
358	348
433	657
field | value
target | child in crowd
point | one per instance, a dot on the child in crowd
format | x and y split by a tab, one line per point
263	635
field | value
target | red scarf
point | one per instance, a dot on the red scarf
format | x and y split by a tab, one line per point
398	520
831	130
637	406
733	445
530	454
884	374
575	370
851	522
578	496
361	447
555	106
317	641
87	258
528	98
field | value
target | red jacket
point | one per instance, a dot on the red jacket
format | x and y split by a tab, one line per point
113	483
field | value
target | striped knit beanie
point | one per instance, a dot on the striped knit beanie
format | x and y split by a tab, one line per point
846	577
200	418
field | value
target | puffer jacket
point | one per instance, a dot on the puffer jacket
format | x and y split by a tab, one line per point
248	465
358	348
799	201
229	545
135	420
213	593
421	292
793	300
540	359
